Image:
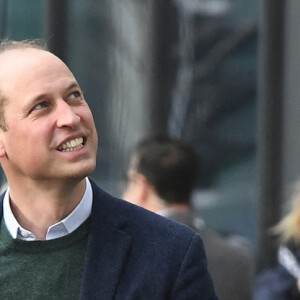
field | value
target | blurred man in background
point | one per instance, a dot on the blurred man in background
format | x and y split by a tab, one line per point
162	176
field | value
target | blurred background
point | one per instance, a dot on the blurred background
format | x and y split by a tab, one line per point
221	74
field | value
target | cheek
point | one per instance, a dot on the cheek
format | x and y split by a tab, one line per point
28	138
17	137
88	122
21	147
86	116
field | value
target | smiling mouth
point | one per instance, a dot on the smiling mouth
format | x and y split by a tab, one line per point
72	145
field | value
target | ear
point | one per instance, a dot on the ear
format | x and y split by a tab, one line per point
144	189
136	191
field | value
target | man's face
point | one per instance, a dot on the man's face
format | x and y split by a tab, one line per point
51	132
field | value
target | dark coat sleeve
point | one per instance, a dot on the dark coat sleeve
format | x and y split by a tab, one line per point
276	284
193	280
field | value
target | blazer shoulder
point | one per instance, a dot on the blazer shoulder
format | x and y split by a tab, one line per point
138	221
156	243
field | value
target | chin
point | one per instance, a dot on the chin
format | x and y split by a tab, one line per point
88	169
79	172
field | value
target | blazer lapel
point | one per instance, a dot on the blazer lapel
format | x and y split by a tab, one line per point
107	249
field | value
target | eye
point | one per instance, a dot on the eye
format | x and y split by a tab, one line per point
75	95
40	105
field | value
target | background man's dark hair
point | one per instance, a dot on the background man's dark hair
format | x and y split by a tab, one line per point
170	165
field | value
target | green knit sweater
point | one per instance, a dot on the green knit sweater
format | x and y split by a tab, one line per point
42	269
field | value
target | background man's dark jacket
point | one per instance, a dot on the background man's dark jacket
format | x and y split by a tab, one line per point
229	261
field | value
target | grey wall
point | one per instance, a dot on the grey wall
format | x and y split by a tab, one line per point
291	98
130	74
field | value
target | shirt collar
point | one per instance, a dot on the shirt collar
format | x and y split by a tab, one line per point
166	212
197	222
81	212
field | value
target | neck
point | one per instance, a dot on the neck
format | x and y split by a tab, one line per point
156	204
44	205
178	207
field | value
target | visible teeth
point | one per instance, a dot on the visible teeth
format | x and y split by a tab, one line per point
72	145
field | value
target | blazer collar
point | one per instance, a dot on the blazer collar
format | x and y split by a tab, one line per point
107	248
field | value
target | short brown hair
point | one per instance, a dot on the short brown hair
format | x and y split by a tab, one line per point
6	45
170	165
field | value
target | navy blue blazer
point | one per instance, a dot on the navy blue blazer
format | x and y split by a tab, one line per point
135	254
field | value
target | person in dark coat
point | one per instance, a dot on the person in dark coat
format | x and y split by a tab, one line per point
162	175
282	282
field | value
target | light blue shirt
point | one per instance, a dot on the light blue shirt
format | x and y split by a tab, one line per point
81	212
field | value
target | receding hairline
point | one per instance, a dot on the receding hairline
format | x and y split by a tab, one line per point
7	45
11	47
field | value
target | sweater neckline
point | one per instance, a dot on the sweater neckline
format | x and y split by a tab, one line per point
76	236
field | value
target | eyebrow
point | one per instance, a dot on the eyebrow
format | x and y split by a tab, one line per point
38	98
72	85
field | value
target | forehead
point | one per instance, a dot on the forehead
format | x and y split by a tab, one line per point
17	59
20	68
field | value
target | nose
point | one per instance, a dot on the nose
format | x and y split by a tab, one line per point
65	115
